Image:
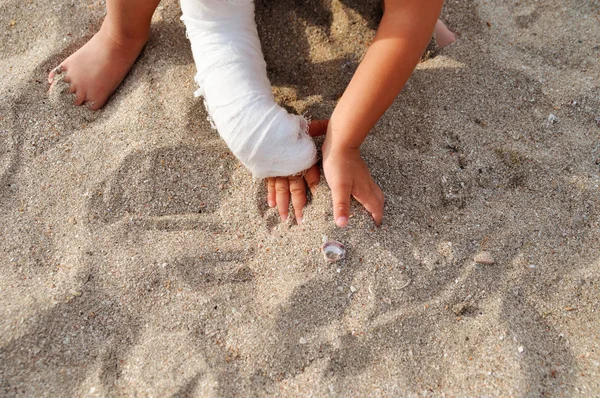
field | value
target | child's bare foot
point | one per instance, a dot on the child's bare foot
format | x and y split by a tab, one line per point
95	70
443	36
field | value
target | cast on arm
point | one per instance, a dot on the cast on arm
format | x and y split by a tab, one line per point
231	73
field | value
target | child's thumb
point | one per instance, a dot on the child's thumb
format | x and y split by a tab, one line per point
318	127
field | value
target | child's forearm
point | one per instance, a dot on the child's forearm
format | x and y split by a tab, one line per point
403	35
232	76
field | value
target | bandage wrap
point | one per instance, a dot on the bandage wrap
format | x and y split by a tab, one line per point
232	76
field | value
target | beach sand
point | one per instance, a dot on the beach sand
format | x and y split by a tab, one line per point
139	258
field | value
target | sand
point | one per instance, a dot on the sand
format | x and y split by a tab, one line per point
138	258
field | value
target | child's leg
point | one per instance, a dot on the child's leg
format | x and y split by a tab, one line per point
95	71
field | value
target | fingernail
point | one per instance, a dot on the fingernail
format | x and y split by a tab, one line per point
341	221
299	220
271	203
284	217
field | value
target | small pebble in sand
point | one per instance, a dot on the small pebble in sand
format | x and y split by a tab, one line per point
598	121
520	349
353	289
303	340
552	118
484	258
333	251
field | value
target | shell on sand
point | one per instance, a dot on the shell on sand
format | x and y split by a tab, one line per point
333	251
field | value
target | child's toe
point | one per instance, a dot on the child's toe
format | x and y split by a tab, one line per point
443	36
56	71
95	105
79	98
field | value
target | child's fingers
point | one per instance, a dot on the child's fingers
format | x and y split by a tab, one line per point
271	192
312	177
282	195
371	197
298	192
317	127
341	203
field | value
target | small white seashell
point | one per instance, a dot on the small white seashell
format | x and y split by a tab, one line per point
333	251
303	340
552	119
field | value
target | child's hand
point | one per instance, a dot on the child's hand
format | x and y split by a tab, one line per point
347	174
401	38
280	188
